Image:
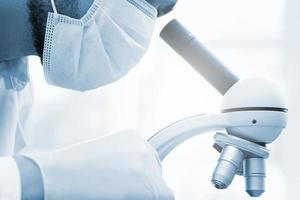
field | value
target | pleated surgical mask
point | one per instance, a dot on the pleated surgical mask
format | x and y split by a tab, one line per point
101	47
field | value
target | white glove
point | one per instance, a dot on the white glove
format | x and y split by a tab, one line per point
118	167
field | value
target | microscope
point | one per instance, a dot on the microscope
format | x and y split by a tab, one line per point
253	114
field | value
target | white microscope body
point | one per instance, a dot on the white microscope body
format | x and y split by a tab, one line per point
253	114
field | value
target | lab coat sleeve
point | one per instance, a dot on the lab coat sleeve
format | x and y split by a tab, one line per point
10	182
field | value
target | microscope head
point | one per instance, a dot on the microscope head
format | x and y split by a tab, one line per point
262	102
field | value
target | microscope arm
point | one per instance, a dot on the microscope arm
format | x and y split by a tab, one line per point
175	134
170	137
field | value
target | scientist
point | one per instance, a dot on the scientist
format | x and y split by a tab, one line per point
83	45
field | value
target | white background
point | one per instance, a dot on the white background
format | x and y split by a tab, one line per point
248	36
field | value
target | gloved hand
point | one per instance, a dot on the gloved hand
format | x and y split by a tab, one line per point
163	6
118	167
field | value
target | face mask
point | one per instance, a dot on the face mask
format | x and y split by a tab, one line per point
101	47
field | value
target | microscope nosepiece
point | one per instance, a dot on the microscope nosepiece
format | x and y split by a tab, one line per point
228	164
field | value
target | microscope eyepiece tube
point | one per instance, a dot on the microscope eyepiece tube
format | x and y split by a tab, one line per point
187	45
228	164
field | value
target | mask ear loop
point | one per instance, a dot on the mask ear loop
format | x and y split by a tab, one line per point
53	6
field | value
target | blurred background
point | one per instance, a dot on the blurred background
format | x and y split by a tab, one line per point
252	37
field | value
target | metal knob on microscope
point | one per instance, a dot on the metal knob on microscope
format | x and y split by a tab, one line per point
228	164
255	173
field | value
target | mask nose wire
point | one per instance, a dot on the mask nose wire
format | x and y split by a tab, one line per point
53	6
